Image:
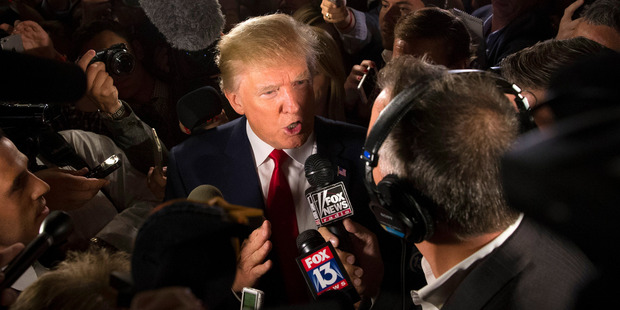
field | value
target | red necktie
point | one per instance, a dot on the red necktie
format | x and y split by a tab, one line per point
281	212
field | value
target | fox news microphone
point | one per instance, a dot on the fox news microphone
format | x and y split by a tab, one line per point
54	230
321	267
329	201
186	25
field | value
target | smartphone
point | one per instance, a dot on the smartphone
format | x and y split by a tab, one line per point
12	43
367	83
158	156
251	299
105	168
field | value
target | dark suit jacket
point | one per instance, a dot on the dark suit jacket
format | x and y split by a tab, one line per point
533	269
222	157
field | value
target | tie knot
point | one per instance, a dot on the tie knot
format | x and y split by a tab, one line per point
278	156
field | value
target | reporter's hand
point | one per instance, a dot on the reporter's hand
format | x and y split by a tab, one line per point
9	295
156	181
566	29
101	94
251	264
367	273
335	14
35	40
69	190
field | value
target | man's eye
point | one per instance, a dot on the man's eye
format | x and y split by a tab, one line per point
301	82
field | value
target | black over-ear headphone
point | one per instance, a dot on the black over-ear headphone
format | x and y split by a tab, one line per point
400	208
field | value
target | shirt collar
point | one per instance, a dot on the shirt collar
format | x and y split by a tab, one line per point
262	150
437	291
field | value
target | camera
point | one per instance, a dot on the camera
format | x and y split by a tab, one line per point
18	115
116	58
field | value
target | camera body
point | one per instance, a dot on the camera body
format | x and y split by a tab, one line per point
117	59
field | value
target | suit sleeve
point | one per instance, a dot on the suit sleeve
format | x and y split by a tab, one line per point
175	188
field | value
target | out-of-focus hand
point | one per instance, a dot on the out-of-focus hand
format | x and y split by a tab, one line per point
156	181
9	295
35	40
336	14
567	27
101	94
173	297
251	264
350	84
69	190
367	273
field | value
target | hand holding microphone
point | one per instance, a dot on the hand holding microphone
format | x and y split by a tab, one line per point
54	230
322	268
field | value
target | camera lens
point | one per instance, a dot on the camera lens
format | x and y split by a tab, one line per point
122	63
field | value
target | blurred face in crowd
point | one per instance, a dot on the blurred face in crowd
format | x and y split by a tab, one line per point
22	206
418	47
278	102
391	11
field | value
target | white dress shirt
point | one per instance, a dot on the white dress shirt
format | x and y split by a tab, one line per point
295	174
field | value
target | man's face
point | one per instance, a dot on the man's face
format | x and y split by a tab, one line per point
277	101
391	11
22	206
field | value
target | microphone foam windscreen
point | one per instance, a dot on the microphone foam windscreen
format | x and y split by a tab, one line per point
204	193
187	25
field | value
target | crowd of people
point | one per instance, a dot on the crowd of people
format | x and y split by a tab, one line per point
429	112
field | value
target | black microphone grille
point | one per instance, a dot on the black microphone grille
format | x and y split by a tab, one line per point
308	240
319	170
57	225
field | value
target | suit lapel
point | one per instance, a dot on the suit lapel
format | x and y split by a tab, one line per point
493	273
242	174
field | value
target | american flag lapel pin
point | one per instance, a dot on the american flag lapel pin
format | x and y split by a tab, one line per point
342	171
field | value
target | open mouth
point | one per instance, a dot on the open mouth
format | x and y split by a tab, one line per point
293	128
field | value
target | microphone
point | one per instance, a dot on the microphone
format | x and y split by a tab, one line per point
48	81
329	201
55	229
243	215
186	25
200	108
321	267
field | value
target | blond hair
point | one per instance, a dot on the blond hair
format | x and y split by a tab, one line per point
264	41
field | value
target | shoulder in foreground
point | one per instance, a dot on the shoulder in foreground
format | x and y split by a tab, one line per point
212	138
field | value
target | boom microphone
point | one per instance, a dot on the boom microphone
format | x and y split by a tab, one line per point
321	267
186	25
29	79
329	201
54	229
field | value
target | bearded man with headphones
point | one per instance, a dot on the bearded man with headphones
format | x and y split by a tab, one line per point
433	155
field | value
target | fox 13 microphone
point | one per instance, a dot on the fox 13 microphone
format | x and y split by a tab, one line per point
322	269
328	200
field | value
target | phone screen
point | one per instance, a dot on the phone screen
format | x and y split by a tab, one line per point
251	299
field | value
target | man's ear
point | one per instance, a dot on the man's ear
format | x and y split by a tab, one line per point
235	102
